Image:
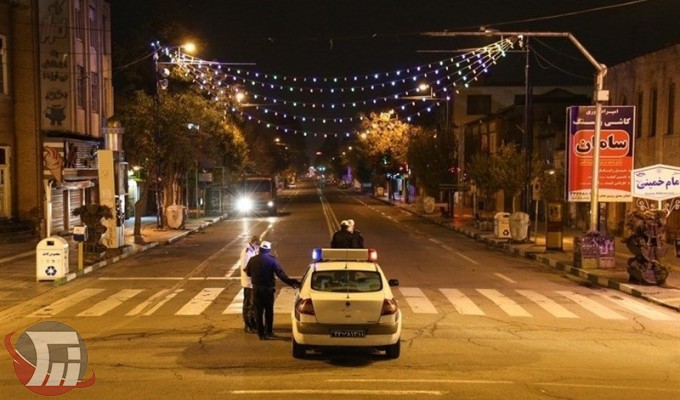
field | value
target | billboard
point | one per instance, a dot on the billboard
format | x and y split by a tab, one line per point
617	133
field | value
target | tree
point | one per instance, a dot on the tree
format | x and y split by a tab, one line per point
386	136
480	172
169	136
509	168
432	157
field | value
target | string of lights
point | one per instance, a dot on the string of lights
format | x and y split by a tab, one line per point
341	99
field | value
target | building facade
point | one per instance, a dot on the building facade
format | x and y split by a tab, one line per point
650	82
56	98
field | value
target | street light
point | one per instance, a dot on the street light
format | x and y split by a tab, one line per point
599	96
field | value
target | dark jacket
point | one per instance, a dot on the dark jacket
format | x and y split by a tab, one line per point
262	268
342	239
357	240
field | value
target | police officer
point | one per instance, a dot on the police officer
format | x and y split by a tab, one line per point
262	268
248	306
357	239
342	239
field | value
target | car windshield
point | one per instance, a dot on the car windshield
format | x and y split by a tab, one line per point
253	186
346	281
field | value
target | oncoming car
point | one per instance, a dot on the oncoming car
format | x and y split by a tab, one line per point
345	300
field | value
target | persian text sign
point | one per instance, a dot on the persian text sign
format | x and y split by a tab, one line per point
656	182
616	153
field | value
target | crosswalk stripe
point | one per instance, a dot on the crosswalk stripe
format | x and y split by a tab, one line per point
549	305
504	303
236	305
591	305
461	302
417	300
162	302
637	307
200	302
284	301
110	303
137	310
61	305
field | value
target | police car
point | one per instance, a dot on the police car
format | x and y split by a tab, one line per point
345	300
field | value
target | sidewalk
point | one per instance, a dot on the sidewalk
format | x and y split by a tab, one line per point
152	236
615	278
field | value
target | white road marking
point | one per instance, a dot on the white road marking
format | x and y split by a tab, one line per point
236	305
637	307
505	303
505	278
547	304
147	302
473	381
355	392
591	305
162	302
284	301
461	302
433	240
234	268
68	301
110	303
417	300
467	258
200	302
172	278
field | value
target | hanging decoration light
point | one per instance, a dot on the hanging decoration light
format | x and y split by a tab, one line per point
275	100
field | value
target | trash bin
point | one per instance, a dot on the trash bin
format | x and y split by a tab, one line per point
51	259
380	191
519	226
501	225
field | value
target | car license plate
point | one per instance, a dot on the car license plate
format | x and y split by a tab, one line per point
348	333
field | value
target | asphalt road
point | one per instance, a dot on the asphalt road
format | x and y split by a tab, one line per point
478	324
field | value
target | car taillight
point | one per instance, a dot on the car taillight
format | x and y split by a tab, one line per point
389	307
305	306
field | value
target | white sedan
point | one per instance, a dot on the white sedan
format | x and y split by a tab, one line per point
345	300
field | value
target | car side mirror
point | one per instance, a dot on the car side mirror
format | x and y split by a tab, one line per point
393	282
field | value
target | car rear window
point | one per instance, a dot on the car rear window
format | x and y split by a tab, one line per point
346	281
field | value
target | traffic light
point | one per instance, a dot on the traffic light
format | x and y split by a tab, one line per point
162	74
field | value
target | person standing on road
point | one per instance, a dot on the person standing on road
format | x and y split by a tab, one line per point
251	250
262	269
357	239
342	239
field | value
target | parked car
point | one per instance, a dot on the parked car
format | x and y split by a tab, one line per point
345	300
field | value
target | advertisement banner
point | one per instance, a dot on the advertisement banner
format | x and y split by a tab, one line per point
617	134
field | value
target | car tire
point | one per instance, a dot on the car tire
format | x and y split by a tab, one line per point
299	350
392	351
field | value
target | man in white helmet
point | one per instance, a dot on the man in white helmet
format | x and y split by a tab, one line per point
251	249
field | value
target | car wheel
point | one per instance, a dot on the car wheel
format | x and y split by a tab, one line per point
299	350
392	351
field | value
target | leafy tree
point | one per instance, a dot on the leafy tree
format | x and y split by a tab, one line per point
481	173
432	157
509	168
386	136
168	137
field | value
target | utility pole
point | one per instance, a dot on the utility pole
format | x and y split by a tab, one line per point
599	96
528	138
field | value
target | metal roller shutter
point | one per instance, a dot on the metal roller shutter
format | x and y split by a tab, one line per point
57	211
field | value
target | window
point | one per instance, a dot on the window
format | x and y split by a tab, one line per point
94	84
479	104
346	281
671	110
652	112
94	31
79	20
3	65
638	116
81	94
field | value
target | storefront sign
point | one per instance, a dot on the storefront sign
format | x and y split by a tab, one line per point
616	153
656	182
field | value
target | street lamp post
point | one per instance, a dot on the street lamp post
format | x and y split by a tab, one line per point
599	96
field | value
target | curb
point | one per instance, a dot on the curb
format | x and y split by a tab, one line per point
541	258
129	252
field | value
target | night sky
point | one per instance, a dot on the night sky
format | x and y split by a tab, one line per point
336	38
344	37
